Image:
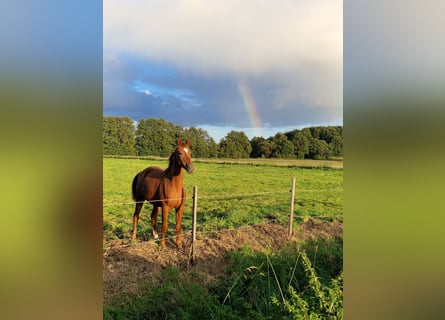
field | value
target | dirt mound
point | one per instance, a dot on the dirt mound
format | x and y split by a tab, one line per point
126	267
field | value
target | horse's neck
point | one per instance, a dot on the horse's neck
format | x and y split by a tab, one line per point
174	173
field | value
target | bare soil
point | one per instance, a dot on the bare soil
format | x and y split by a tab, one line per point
126	267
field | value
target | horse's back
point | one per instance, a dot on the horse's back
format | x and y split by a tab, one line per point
148	183
153	172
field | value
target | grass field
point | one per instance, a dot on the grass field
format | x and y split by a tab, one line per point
244	273
230	194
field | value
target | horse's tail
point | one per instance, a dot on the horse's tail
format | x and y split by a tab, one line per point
134	186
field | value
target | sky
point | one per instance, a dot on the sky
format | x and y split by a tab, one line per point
256	66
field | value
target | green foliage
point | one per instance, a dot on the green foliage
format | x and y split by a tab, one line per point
118	136
276	285
318	149
311	143
283	285
202	144
336	146
176	298
318	301
235	145
283	147
256	147
157	137
267	148
153	137
301	145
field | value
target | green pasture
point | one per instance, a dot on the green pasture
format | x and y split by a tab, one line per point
230	195
301	281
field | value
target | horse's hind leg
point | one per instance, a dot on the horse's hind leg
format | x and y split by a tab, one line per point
154	221
139	205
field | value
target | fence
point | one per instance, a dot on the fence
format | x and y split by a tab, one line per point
194	214
219	197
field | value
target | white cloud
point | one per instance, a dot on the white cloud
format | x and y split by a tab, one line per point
242	36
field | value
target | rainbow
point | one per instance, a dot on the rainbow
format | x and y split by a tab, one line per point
249	104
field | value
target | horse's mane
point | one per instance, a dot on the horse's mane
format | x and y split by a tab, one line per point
171	161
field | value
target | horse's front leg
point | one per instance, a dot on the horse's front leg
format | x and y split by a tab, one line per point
179	212
165	210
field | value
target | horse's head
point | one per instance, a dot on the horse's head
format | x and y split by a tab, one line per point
184	155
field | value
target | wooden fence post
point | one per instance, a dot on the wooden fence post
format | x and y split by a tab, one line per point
291	215
194	210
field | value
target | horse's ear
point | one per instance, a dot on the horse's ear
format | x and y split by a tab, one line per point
179	142
188	142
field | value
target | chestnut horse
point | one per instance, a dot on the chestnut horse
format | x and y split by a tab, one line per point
163	189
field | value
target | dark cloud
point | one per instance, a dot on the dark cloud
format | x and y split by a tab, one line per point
185	63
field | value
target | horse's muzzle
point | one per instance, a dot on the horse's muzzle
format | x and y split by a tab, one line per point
190	168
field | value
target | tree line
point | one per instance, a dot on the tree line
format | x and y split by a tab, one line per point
158	137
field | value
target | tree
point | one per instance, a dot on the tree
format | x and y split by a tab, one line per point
283	147
307	133
303	140
118	136
255	143
266	148
235	145
327	134
301	145
202	143
336	146
315	132
156	137
318	149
